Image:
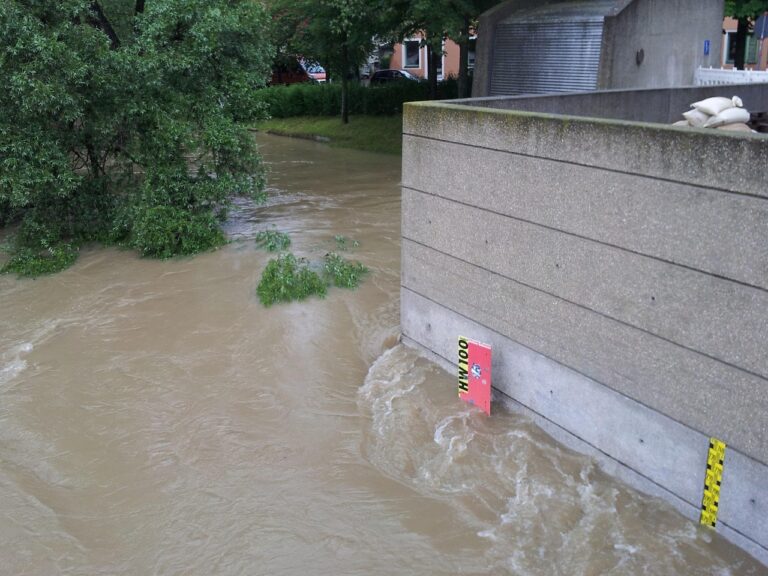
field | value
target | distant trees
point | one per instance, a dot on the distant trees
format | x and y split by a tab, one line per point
339	34
746	12
438	20
123	122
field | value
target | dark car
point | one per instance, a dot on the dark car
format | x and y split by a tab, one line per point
387	76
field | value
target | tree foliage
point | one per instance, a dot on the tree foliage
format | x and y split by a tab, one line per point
438	20
123	122
750	9
337	33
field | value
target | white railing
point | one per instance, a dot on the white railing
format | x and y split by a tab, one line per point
718	76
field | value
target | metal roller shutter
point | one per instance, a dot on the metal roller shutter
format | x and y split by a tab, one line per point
546	57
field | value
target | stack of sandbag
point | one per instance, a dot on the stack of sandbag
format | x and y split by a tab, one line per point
718	112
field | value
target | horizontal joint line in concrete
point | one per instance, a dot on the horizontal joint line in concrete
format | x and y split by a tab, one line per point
575	370
570	432
695	505
592	166
601	314
588	239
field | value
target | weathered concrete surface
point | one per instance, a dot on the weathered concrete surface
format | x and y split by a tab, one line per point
708	158
705	394
638	445
671	36
649	105
643	292
674	222
621	271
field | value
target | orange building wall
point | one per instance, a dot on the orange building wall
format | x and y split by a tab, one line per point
450	60
730	25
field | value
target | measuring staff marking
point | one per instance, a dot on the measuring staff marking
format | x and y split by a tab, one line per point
463	365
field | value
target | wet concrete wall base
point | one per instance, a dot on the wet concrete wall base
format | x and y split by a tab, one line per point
619	266
638	445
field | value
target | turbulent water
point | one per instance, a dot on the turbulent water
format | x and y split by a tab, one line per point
156	419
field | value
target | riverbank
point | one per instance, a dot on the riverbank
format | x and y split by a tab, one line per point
381	134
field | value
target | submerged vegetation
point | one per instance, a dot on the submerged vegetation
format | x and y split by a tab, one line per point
273	240
125	123
341	272
287	277
344	243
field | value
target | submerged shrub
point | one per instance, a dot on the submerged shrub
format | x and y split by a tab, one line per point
138	137
344	243
27	262
288	278
273	240
341	272
165	231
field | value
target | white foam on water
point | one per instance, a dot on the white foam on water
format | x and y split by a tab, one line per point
12	362
553	508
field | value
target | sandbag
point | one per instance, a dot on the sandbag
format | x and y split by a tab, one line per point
736	127
681	123
713	106
696	118
728	116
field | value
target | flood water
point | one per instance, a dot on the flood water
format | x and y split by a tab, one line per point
156	419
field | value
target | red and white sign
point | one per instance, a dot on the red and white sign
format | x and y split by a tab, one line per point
475	373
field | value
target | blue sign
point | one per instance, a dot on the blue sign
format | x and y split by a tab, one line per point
706	47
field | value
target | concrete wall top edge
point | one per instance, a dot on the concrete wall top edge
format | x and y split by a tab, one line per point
473	106
714	159
663	105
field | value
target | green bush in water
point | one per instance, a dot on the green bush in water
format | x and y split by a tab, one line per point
341	272
273	240
343	243
29	263
165	231
288	278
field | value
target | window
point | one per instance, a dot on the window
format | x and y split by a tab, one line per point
412	54
441	62
729	49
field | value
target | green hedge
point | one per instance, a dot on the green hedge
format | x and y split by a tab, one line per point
325	99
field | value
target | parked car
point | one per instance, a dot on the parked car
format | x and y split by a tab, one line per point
314	71
288	72
291	71
393	75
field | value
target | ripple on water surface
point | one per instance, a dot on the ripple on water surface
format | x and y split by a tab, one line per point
156	419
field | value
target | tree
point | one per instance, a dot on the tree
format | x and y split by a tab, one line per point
339	34
124	122
441	19
746	12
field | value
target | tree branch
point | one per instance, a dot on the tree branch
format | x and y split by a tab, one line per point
100	21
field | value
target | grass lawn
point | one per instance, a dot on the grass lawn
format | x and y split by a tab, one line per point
371	133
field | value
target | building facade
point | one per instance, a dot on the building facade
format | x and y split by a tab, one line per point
410	55
757	45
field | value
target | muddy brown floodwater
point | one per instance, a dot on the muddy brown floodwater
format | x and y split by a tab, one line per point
156	419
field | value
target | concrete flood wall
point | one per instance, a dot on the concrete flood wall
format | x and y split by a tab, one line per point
620	271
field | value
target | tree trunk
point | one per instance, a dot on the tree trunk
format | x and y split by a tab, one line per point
463	84
344	83
432	60
100	21
139	7
742	31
